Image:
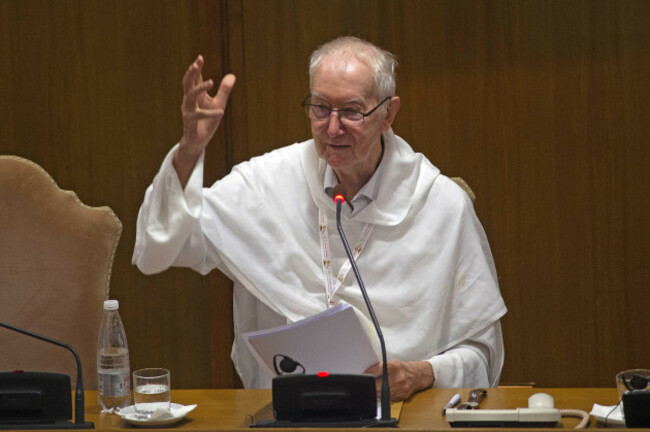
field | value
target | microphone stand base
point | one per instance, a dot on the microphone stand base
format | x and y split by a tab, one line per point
367	423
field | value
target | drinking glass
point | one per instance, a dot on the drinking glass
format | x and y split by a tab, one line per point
633	379
151	390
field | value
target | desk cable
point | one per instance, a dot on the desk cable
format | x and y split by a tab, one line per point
620	401
576	413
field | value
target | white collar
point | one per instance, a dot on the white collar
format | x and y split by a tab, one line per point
405	177
366	195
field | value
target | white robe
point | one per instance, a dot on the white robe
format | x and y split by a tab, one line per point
427	264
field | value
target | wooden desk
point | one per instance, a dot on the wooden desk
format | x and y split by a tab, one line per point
228	409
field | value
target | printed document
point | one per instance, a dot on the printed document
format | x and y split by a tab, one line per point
338	340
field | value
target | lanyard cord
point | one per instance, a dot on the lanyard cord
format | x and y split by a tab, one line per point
332	284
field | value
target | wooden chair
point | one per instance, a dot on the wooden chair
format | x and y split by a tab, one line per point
56	256
460	182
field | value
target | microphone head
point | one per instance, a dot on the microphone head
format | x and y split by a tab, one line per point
339	197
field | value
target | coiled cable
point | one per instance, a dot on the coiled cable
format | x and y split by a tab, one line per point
576	413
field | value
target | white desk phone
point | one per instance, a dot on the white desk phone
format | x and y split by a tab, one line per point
541	412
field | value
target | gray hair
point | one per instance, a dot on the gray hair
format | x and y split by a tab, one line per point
382	62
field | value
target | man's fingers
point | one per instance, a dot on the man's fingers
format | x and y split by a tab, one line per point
193	74
227	83
375	370
195	95
192	95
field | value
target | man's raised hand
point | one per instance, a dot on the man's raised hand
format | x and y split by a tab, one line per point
202	114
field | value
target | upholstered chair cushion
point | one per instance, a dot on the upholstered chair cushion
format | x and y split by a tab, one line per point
56	256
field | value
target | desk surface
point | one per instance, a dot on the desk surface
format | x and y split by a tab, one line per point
230	409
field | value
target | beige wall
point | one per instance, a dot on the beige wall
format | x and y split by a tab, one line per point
541	106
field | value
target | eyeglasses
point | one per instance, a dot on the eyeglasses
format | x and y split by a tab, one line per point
347	116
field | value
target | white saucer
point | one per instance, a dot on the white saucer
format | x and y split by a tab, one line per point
176	414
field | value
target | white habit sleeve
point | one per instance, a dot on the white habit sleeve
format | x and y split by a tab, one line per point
476	362
169	228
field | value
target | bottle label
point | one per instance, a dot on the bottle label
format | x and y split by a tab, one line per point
113	384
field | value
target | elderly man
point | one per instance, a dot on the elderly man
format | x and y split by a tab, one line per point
270	226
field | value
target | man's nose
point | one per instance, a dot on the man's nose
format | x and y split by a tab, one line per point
334	125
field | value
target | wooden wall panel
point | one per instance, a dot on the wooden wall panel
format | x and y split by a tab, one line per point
91	90
541	106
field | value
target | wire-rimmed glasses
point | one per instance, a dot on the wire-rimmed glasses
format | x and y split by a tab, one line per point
347	116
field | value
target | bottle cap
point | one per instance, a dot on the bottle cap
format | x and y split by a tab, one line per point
111	305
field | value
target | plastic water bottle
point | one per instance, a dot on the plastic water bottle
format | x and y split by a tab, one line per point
113	370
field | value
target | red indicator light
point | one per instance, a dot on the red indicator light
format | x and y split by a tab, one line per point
323	374
339	198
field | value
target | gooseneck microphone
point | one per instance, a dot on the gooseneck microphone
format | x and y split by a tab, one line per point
79	404
339	199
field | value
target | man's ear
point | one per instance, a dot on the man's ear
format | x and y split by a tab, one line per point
393	107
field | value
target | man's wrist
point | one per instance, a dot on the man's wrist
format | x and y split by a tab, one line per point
427	376
183	162
186	154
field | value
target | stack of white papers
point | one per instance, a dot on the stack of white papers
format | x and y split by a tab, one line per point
335	341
